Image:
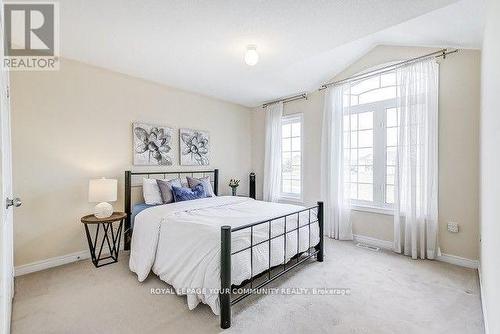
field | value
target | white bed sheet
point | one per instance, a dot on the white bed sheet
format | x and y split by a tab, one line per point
180	242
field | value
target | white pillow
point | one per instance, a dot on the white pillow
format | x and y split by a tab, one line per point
151	192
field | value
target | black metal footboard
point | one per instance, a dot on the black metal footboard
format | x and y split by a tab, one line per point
226	253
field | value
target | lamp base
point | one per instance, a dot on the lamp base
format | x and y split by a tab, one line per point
103	210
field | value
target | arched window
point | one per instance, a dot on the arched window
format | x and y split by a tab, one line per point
373	130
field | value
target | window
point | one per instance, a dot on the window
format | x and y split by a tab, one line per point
291	157
370	141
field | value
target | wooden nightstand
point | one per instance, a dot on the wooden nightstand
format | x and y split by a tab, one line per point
110	236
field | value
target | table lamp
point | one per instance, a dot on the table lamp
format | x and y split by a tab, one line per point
103	191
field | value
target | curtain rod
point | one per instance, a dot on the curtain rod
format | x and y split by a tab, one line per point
287	99
437	54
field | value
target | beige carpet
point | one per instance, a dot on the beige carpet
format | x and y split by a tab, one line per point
389	294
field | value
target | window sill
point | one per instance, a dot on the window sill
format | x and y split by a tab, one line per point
372	209
291	199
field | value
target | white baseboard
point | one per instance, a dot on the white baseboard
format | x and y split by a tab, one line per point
383	244
50	263
459	261
483	302
387	245
57	261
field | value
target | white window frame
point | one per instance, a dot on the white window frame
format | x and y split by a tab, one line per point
293	118
378	205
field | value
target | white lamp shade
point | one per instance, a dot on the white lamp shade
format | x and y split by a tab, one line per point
102	190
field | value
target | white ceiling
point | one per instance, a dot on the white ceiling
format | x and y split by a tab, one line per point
199	45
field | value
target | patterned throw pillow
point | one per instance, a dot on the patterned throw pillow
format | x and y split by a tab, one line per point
204	181
187	194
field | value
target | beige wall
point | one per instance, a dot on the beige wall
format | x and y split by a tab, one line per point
458	148
76	124
490	167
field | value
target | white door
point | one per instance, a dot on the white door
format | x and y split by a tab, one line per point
6	233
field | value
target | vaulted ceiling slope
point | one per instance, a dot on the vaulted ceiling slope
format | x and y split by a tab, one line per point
199	45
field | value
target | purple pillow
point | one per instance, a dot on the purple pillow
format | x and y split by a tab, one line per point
187	194
166	189
205	181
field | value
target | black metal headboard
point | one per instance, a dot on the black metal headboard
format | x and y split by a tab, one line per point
214	179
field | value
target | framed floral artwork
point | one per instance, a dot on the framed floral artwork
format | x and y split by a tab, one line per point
194	146
152	145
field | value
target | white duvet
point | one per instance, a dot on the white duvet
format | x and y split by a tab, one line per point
180	242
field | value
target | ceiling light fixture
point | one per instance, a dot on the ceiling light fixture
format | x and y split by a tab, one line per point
251	56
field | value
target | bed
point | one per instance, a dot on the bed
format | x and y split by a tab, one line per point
209	248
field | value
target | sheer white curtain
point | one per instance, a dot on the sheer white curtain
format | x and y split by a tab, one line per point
335	164
416	205
272	158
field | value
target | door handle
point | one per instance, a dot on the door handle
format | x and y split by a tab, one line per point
16	202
